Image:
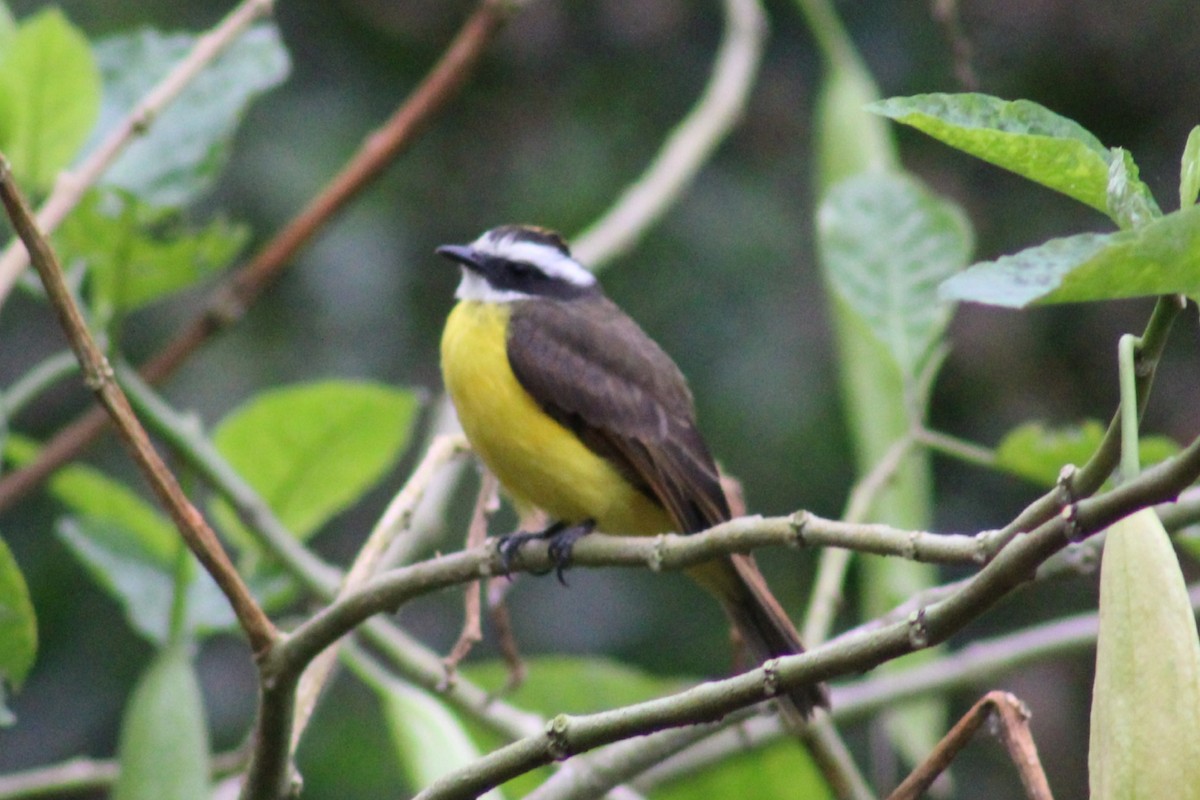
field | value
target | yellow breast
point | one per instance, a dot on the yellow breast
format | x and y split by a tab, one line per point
538	461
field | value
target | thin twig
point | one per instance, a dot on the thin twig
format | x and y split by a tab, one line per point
230	301
506	638
690	145
391	524
953	447
566	736
833	759
441	456
1011	567
946	13
1088	479
71	186
85	775
31	385
833	563
486	504
980	663
99	377
1013	717
75	776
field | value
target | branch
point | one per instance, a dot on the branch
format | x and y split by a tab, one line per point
99	377
1008	568
76	776
411	658
1088	479
88	775
1015	564
394	520
832	566
690	145
682	752
1013	719
230	301
70	187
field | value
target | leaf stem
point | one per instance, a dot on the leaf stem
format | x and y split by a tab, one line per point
1127	348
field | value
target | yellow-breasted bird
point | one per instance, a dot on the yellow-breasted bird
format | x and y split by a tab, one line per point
579	413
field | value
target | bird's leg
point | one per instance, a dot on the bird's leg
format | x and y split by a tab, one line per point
560	538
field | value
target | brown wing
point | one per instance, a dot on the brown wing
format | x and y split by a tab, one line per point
592	369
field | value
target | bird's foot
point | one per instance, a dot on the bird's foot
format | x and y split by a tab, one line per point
560	538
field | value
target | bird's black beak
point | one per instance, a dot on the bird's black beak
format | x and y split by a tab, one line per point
462	254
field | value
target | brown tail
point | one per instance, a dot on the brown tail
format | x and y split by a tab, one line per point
761	622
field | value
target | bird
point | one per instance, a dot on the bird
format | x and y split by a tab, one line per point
579	413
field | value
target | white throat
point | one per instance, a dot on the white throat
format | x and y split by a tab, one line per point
474	286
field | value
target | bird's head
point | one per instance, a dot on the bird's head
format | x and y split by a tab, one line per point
518	262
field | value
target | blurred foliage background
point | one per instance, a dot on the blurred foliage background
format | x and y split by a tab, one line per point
566	109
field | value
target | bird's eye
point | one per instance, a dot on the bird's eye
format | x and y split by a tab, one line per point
522	269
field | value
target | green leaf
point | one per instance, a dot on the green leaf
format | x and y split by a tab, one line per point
141	583
1130	202
18	628
187	146
430	742
312	450
1161	257
1020	136
782	771
849	140
574	685
50	95
8	92
163	750
1038	452
137	253
8	28
885	244
566	685
1189	170
90	493
1146	698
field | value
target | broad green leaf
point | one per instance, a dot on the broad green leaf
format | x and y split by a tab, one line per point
18	628
574	685
1020	136
566	685
850	141
1130	203
51	95
885	335
8	92
89	493
137	254
886	243
430	741
1146	698
187	145
782	771
163	749
141	583
1161	257
1189	170
130	550
1038	452
8	28
312	450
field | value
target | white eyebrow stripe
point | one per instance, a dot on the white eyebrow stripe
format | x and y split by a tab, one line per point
543	256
